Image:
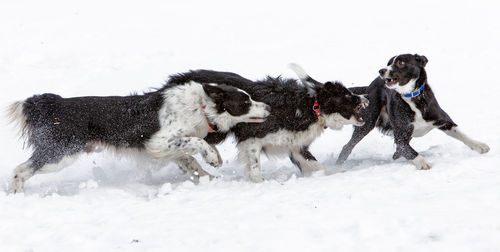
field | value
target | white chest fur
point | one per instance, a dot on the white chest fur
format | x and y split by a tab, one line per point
290	139
420	126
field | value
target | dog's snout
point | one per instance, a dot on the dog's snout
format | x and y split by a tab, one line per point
382	71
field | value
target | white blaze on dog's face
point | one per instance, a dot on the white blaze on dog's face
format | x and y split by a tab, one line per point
232	105
403	71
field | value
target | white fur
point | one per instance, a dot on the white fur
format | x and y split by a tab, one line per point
473	144
183	124
336	121
177	113
420	126
303	76
301	73
280	142
404	89
16	117
421	163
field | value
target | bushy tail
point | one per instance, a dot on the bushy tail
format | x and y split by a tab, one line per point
16	117
303	76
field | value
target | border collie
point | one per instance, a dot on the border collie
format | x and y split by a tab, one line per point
402	104
168	123
299	114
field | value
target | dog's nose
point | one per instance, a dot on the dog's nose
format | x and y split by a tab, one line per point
382	72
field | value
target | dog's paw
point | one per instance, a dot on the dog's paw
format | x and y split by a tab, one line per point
479	147
212	157
16	185
421	163
256	178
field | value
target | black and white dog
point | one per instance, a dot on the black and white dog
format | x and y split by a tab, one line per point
168	123
299	114
402	103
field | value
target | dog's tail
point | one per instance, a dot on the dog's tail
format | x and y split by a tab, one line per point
359	90
303	76
17	117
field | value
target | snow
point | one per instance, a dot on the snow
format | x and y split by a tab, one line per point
102	203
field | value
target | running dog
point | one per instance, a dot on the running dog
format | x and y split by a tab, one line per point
170	123
402	104
299	114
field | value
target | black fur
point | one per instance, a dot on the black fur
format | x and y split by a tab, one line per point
391	114
58	127
285	96
291	103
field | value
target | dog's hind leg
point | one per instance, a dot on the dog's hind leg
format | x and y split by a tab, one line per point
471	143
40	162
22	173
249	153
305	161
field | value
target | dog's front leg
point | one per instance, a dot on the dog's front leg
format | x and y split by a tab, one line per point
473	144
250	155
306	162
402	137
185	146
190	165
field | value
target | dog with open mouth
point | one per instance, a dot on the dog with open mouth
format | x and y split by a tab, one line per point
169	123
299	114
402	103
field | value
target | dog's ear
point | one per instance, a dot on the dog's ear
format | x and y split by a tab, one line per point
391	61
213	91
421	59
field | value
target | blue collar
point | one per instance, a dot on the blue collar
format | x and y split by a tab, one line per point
416	93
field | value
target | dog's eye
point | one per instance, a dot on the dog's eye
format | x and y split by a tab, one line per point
400	63
247	102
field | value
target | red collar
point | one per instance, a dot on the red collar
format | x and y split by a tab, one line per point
316	110
210	125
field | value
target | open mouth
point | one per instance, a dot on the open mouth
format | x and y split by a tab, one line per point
362	105
356	113
391	81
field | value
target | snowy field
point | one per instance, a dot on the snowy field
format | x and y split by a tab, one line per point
102	203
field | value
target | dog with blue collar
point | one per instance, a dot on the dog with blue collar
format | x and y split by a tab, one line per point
402	104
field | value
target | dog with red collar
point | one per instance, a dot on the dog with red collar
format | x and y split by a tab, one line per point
402	104
299	114
169	123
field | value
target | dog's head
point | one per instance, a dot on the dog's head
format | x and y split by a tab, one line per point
339	106
231	105
404	71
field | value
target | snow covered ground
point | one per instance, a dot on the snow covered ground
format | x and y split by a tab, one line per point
374	204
